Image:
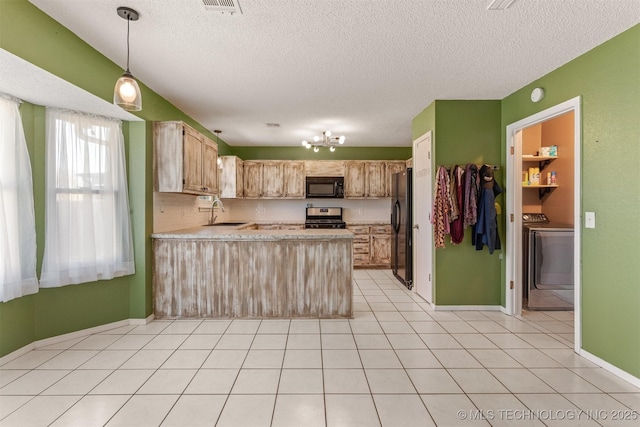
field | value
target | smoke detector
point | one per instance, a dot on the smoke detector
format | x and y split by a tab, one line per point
225	7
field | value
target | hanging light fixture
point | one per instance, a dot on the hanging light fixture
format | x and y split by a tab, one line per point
218	132
127	93
326	140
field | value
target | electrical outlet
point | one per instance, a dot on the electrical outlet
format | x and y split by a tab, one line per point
589	220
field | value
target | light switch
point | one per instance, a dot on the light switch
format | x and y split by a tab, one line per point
589	220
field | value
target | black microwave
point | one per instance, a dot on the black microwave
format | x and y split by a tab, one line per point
325	187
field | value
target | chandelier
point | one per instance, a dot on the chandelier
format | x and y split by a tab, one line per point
326	140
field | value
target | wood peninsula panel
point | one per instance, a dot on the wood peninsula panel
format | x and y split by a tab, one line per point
203	278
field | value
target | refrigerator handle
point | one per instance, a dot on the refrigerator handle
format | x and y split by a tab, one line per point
396	213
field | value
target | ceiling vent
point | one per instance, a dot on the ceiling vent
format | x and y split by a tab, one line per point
225	7
499	4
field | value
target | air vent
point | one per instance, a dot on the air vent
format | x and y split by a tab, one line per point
225	7
273	125
499	4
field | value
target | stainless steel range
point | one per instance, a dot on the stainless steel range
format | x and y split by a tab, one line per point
324	218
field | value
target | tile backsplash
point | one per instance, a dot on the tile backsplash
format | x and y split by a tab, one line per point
177	211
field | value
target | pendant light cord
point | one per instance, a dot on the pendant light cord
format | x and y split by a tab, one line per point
128	25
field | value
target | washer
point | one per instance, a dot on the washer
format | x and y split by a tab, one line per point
547	263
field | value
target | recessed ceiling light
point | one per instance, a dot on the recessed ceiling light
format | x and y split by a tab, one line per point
499	4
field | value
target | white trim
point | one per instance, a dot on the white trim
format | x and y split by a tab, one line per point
513	297
468	308
72	335
635	381
145	321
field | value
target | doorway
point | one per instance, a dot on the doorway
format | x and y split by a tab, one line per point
521	195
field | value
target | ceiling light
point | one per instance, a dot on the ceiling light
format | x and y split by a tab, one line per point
127	93
326	140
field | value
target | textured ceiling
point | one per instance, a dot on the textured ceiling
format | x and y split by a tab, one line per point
362	68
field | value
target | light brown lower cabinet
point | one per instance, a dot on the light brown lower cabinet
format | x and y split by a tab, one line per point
371	245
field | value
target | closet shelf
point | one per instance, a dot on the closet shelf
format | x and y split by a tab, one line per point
543	161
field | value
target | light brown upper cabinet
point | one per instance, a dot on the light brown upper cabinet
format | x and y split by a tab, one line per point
355	178
273	179
393	167
365	179
185	160
252	179
376	179
231	173
294	179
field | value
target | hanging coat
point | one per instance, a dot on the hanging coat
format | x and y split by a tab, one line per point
441	207
457	216
485	232
471	190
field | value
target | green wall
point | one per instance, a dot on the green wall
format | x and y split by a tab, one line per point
608	80
464	132
341	153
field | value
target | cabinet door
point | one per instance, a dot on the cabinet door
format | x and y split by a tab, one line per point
252	180
376	179
393	167
294	179
239	178
230	179
354	180
192	168
210	166
380	251
272	179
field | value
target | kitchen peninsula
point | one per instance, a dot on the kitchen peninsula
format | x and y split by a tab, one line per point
238	272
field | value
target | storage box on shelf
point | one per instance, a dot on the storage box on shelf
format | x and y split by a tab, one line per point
542	182
185	161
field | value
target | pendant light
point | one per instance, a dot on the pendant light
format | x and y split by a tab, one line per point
127	93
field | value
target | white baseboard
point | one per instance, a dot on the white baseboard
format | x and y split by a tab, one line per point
467	307
145	321
611	368
72	335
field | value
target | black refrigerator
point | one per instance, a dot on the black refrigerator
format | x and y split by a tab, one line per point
401	227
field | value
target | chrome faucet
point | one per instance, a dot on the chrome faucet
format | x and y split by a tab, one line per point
217	201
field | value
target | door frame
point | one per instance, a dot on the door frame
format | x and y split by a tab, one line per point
513	267
427	136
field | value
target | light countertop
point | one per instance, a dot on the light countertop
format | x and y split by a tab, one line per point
235	232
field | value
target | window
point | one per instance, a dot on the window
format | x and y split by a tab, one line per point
88	228
17	219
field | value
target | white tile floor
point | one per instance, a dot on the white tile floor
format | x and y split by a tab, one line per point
396	363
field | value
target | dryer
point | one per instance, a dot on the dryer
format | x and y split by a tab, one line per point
548	270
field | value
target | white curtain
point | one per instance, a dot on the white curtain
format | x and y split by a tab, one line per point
88	227
17	219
